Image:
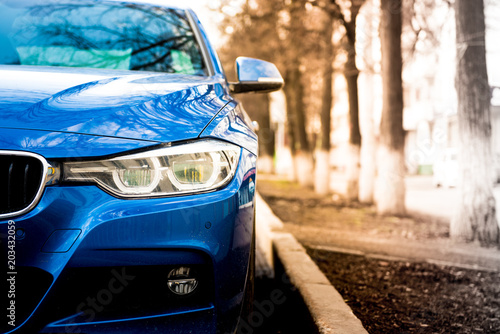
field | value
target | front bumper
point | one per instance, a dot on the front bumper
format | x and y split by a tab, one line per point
87	262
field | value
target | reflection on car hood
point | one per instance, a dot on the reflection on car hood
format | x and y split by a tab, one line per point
67	145
122	104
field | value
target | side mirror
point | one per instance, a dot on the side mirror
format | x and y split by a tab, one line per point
256	75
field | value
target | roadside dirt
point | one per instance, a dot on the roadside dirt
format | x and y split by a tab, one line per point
388	293
405	297
301	206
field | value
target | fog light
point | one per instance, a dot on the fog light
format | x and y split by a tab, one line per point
181	281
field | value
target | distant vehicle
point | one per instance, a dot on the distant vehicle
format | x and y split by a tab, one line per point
445	169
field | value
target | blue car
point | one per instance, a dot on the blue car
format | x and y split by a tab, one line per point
127	171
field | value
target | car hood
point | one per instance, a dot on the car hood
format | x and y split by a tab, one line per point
135	105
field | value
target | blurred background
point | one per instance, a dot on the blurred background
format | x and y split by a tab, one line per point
381	154
384	100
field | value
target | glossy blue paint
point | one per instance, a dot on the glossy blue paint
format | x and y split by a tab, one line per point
154	107
60	241
70	113
234	125
52	144
191	321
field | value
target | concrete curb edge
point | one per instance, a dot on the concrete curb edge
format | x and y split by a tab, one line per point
327	307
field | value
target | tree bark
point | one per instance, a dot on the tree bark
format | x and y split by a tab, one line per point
351	75
290	122
476	218
326	103
297	89
294	90
322	167
367	174
299	143
369	147
266	136
390	189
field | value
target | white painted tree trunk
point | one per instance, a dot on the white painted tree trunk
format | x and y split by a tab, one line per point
367	109
389	186
265	164
353	170
476	218
368	166
322	172
304	168
284	162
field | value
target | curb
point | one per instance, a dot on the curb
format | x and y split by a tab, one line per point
327	307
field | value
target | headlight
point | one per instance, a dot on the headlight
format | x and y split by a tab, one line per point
195	167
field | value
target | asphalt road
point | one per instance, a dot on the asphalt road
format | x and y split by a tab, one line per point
278	309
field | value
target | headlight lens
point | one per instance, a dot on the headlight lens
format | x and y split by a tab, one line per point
195	167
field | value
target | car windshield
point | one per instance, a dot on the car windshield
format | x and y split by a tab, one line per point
110	35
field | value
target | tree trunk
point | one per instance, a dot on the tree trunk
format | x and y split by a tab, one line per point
290	122
266	137
298	34
351	74
390	188
353	172
302	143
322	167
326	104
476	218
353	169
367	172
303	162
305	169
369	147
